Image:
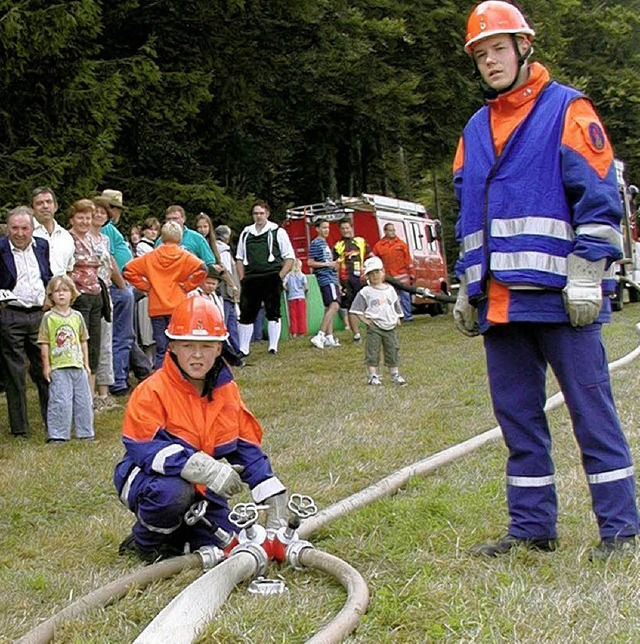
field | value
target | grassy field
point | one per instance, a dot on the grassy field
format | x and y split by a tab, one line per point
329	435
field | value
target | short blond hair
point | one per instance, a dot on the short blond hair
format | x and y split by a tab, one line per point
171	232
62	279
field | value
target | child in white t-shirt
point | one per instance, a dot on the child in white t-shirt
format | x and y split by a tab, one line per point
378	308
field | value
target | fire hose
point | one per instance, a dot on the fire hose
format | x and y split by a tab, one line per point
420	291
383	488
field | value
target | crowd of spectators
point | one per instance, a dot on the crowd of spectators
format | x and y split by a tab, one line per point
125	290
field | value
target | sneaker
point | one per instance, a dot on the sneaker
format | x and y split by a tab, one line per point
398	379
330	341
506	544
99	404
357	337
613	547
111	402
273	352
318	341
375	380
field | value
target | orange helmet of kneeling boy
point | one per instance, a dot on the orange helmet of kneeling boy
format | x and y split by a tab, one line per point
197	319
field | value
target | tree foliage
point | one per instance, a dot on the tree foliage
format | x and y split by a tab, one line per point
209	103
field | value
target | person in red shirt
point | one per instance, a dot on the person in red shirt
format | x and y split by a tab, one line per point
397	262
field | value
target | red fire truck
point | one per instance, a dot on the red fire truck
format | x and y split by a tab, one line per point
369	213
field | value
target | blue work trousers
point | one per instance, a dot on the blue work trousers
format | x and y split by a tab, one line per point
517	359
123	335
160	503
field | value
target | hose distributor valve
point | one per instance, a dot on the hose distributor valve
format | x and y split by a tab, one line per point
245	516
301	507
211	555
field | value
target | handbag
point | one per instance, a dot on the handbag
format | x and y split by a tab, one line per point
106	310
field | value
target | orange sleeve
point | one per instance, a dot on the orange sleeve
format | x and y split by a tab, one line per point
458	160
584	133
135	273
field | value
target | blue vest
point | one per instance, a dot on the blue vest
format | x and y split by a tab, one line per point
515	221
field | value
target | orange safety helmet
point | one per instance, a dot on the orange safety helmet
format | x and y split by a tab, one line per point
495	17
197	318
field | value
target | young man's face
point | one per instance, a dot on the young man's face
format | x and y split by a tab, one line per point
260	215
209	285
346	230
195	357
390	231
497	60
323	229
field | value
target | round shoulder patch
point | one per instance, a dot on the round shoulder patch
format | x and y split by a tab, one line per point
596	136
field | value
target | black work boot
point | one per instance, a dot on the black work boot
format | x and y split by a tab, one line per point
613	547
130	547
504	545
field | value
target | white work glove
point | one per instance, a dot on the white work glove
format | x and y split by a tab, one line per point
278	513
465	315
218	476
583	293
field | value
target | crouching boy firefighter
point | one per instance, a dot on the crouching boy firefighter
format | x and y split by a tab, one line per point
178	427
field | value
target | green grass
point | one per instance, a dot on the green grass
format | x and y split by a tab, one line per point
329	435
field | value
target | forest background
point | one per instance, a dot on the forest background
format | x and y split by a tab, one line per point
210	103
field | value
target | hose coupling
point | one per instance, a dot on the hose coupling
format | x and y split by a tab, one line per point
294	549
211	556
258	553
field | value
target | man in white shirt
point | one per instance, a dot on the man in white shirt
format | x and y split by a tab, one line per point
61	247
25	271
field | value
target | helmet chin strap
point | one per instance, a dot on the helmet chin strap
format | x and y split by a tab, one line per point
488	93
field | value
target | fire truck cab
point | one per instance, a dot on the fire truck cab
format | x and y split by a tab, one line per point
369	214
628	268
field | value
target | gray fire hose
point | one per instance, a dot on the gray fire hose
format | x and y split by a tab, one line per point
45	632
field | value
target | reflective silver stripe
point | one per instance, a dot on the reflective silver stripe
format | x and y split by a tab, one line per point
267	488
154	528
529	261
531	481
160	458
601	231
126	488
532	226
613	475
473	241
473	273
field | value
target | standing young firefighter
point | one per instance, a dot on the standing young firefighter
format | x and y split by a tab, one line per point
539	228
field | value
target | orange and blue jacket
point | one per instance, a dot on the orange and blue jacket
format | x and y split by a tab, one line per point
535	180
167	420
167	274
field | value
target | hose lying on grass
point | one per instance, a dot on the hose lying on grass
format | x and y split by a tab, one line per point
184	618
